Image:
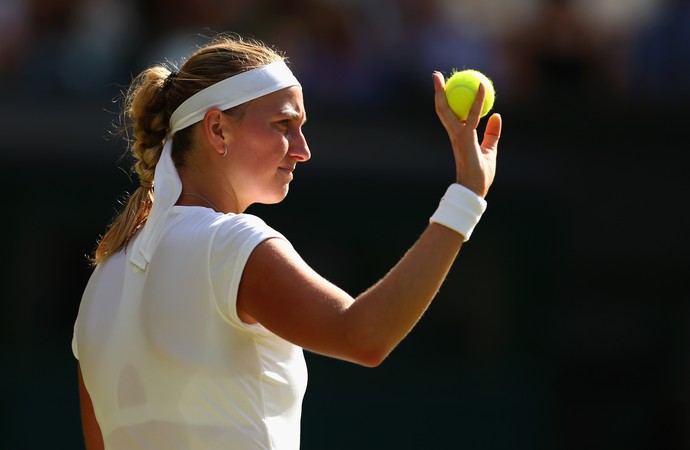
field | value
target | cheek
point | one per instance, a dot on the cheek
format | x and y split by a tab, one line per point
260	149
271	150
264	156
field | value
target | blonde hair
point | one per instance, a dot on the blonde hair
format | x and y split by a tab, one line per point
148	104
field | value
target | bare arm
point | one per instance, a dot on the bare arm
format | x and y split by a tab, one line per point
284	294
92	432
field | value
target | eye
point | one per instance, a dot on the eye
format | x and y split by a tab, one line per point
283	125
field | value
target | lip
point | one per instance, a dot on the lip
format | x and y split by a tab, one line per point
287	170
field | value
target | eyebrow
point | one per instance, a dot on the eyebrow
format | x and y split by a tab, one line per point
294	115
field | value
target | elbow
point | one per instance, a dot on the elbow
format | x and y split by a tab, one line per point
367	351
366	342
362	357
370	359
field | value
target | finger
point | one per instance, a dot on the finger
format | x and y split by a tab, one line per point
439	81
447	116
476	109
492	133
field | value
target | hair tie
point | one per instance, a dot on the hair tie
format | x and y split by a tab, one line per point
169	79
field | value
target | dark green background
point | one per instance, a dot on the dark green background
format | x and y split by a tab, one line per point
563	324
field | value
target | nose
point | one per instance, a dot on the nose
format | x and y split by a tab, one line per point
299	149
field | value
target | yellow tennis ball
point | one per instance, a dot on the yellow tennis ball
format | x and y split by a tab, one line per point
461	90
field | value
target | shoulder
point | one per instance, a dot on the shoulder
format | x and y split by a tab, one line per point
240	234
204	222
246	225
222	237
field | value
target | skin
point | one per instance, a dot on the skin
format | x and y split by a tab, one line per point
278	289
92	431
263	149
285	295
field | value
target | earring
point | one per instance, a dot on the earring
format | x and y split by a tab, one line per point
226	150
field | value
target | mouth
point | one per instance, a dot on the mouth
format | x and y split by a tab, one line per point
287	170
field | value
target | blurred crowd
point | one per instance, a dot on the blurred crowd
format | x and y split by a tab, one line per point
365	51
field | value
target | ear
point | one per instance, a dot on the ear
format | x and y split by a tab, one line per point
214	130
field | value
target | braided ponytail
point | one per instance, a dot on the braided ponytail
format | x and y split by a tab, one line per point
145	117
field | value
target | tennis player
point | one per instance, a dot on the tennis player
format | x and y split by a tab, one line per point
191	330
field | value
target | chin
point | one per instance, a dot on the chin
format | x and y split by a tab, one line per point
276	196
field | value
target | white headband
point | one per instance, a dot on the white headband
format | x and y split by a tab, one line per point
231	92
223	95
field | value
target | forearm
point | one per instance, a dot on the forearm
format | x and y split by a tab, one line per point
383	315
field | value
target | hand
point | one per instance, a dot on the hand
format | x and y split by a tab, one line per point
475	164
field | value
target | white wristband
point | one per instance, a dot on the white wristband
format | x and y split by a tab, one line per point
460	210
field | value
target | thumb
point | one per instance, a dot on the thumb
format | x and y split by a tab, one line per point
492	132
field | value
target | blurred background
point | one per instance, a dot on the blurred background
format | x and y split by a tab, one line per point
565	322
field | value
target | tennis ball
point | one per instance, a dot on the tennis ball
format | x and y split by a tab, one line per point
461	90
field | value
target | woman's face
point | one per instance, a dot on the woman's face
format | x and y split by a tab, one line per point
264	146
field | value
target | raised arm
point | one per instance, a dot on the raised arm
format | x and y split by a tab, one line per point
285	295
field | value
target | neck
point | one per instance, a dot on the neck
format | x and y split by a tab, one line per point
196	198
210	188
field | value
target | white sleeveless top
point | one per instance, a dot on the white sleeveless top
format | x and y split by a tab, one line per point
166	359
